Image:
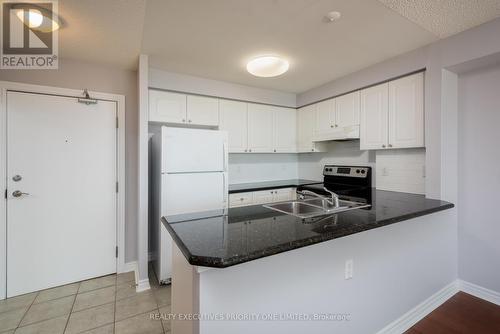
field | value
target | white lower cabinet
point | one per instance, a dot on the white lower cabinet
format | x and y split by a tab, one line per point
285	194
240	199
262	197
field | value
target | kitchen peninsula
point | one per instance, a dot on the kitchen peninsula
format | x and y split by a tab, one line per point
297	280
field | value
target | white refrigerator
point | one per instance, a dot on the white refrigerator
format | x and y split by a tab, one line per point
190	176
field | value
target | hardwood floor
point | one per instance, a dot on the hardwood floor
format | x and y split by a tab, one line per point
462	313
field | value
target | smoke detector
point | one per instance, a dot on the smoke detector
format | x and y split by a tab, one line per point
333	16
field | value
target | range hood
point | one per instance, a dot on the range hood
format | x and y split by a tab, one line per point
341	133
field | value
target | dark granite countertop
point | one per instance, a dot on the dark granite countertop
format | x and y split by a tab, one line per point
256	186
228	237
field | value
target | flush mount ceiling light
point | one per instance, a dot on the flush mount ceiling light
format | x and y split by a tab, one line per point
267	66
38	19
333	16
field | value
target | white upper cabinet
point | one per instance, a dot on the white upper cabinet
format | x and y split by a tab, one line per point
167	107
285	133
406	112
374	117
260	128
306	120
306	117
325	118
234	120
338	118
176	108
347	110
392	114
202	110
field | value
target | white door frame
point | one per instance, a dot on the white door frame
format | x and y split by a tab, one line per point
6	86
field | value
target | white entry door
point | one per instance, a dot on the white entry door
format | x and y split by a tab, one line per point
61	191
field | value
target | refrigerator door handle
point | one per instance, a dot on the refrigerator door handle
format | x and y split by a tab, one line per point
224	199
224	156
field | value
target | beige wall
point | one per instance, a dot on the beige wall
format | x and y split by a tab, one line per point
106	79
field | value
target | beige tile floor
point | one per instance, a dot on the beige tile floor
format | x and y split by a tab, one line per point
103	305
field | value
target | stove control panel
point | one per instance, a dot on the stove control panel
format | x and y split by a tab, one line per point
346	171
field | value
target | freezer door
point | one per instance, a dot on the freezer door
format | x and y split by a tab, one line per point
193	150
196	192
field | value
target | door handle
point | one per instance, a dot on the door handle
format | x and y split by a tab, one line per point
18	193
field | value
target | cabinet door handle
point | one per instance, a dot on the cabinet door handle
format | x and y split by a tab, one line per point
183	120
331	126
390	145
383	146
250	150
274	150
189	121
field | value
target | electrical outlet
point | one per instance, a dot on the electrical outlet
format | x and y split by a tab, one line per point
349	264
385	172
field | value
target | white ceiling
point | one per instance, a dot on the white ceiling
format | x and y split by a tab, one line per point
215	38
446	17
103	31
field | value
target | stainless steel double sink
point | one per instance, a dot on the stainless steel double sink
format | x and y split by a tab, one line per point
309	208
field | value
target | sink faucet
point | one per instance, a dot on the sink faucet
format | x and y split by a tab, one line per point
335	198
334	201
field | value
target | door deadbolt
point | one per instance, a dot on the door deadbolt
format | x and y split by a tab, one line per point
17	178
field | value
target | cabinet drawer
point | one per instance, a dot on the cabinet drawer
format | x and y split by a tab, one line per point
285	194
240	199
264	196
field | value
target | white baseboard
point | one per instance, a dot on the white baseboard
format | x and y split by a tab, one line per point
142	285
128	266
479	292
416	314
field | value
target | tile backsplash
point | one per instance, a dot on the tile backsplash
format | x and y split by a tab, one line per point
401	170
